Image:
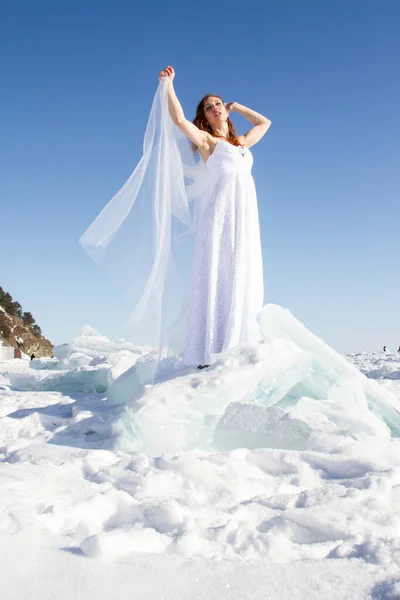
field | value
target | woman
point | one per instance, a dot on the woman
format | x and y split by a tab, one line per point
136	235
227	282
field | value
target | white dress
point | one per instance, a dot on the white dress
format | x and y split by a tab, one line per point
227	285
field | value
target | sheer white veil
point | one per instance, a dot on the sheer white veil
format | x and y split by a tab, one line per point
138	236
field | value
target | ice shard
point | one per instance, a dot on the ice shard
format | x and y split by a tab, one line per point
290	368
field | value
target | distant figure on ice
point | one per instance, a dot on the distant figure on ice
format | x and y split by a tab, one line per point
384	348
32	356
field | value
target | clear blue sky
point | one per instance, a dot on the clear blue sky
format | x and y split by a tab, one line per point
77	80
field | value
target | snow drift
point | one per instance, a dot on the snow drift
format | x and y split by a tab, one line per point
292	459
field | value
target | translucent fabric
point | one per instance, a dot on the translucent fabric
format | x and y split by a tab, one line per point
140	235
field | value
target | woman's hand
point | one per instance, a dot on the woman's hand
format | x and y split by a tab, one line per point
230	107
168	73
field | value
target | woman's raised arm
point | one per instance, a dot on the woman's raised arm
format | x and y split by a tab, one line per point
194	134
261	123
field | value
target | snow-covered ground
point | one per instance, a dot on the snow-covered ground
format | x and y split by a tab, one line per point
274	474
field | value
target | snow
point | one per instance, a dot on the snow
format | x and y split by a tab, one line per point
378	365
273	474
89	342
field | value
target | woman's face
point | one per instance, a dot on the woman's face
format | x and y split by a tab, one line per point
215	111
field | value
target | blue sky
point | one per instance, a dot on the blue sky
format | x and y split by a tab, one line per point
78	78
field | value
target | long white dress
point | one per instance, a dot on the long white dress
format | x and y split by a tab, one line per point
227	284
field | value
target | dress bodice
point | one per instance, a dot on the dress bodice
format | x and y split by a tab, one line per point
227	158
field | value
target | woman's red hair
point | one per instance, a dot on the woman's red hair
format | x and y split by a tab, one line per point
201	122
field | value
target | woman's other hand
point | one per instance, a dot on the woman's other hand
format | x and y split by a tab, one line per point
230	106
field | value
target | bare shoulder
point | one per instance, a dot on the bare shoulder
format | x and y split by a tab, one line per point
241	139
